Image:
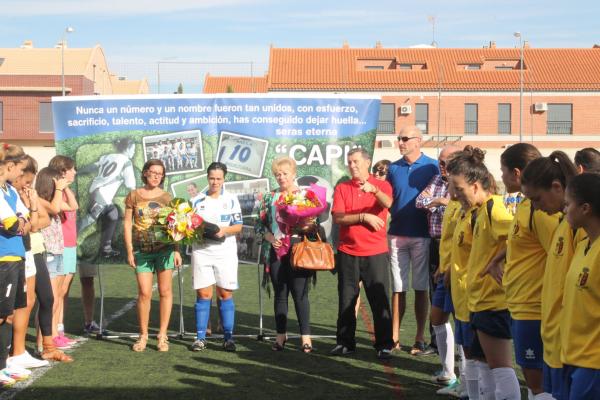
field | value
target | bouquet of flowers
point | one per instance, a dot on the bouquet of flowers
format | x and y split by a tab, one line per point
297	211
178	223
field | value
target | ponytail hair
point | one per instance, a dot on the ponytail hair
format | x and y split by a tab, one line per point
469	164
542	171
588	159
11	153
585	188
519	155
31	166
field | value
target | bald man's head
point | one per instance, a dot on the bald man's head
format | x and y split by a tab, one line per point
445	155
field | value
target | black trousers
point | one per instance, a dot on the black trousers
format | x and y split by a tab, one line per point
43	291
288	280
374	272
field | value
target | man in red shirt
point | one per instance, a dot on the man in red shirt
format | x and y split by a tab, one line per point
360	208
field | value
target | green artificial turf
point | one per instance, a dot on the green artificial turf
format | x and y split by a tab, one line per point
108	369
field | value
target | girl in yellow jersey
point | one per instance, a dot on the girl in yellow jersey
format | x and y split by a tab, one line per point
489	317
579	323
457	269
544	182
529	240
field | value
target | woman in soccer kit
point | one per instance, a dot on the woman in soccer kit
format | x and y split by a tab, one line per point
544	182
215	261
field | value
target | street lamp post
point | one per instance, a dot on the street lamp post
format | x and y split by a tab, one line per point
518	35
62	56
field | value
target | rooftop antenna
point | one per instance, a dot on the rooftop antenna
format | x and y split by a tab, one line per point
431	20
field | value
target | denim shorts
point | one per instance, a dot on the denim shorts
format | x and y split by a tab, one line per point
55	265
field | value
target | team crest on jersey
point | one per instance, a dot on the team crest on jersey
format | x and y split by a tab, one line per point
560	245
583	277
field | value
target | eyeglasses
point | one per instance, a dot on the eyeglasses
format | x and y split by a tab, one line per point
442	163
405	138
381	172
155	174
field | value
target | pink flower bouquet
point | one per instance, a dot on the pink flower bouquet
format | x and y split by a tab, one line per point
297	211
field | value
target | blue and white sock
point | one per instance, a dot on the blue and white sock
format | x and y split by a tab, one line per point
202	308
227	310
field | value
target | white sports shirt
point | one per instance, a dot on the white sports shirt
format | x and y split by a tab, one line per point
223	211
113	170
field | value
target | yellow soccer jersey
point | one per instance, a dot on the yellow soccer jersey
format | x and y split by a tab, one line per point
529	239
579	327
449	221
557	264
459	257
489	237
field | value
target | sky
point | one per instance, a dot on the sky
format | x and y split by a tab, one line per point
183	40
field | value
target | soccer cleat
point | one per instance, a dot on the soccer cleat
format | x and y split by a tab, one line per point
459	392
384	354
229	345
442	379
450	388
198	345
26	360
93	329
341	350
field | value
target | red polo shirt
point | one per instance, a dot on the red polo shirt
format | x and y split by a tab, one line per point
360	239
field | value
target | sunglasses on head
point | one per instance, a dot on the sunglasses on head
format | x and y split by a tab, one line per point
405	138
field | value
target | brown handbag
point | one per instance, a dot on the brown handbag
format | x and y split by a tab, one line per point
313	256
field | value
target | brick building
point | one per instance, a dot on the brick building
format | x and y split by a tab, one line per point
29	77
468	96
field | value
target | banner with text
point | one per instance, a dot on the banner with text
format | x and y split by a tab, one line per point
111	137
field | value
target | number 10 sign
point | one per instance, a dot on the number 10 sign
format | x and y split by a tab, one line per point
243	154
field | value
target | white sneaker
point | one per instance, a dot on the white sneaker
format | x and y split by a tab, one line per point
26	360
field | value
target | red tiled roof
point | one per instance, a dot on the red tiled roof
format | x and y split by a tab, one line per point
339	69
220	84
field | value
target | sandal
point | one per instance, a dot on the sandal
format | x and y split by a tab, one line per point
306	348
54	354
163	343
278	347
140	344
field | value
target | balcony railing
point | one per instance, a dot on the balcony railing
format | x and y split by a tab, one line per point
504	128
470	127
386	127
423	126
560	128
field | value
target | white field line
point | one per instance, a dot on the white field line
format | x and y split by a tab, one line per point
37	373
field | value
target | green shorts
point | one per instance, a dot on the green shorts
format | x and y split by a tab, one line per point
154	262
